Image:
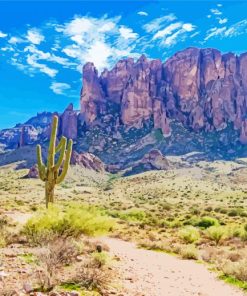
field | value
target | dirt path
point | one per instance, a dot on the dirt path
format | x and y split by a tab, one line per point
151	273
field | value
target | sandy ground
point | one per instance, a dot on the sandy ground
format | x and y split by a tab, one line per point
151	273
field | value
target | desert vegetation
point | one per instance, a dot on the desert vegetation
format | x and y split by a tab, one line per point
198	213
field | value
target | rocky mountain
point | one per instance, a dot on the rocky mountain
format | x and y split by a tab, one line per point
194	101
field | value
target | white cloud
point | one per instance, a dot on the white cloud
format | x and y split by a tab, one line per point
209	16
222	20
127	33
214	32
236	29
158	23
101	41
49	57
15	40
167	31
142	13
219	5
99	54
188	27
174	32
59	88
34	36
215	11
35	65
3	35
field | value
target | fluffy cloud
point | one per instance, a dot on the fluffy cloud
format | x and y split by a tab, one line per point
142	13
101	40
3	35
127	33
34	36
59	88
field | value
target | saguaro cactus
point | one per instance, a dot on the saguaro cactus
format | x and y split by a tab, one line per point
55	171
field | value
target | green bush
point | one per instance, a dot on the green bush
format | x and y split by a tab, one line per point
216	233
132	215
189	252
189	234
73	221
206	222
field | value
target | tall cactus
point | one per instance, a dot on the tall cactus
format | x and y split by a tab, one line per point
54	172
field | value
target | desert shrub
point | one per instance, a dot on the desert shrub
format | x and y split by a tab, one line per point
206	222
189	252
3	242
73	222
132	215
92	277
100	258
51	258
236	269
245	227
216	233
189	234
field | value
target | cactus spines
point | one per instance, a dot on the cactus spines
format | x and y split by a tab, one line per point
55	171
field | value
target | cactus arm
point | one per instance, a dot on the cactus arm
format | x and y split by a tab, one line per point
41	166
60	144
52	146
61	177
62	153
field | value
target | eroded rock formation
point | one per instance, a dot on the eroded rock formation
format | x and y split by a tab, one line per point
201	88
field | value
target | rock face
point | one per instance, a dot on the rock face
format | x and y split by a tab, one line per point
69	122
87	160
201	88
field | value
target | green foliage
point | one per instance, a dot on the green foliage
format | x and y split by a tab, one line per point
54	172
206	222
189	234
216	233
73	221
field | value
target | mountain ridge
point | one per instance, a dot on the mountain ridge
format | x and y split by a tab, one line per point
194	101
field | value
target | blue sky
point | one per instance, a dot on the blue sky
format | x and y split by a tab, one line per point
43	45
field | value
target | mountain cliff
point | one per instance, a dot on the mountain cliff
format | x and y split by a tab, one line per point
194	101
200	88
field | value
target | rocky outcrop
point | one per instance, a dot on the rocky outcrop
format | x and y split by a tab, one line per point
33	172
18	136
153	160
69	123
201	88
92	97
88	161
